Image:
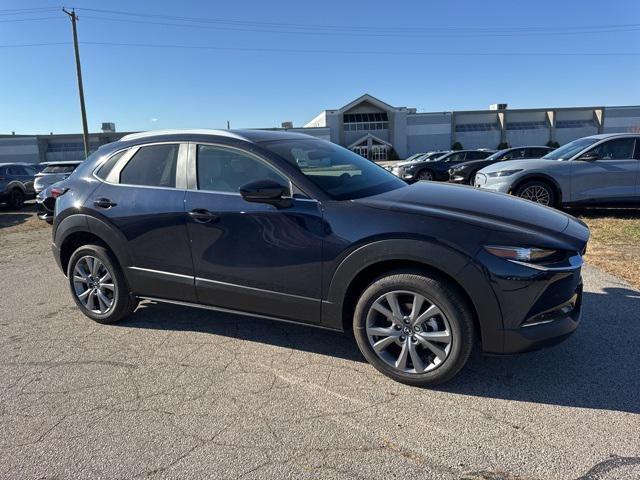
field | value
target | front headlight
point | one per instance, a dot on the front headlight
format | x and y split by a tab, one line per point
503	173
521	254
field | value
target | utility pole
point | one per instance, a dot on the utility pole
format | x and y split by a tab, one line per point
85	131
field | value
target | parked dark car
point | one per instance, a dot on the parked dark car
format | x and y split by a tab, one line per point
46	202
465	172
288	227
438	168
53	172
16	183
401	169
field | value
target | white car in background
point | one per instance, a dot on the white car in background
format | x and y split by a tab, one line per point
600	169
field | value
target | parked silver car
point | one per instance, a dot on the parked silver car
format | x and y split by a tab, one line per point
602	169
53	172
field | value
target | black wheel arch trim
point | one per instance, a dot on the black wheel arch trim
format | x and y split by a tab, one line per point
83	223
460	267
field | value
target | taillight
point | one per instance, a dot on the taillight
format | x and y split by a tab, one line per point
58	191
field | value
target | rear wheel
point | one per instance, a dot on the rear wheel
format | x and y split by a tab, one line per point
16	198
425	175
537	191
414	328
98	285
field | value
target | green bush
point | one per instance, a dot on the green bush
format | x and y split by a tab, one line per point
393	155
552	144
503	145
456	146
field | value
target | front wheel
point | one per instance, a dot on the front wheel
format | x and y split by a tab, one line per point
414	328
425	175
98	285
537	191
16	199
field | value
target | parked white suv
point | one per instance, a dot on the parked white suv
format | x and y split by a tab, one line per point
602	169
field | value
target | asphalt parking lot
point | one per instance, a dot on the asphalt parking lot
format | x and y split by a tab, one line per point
174	392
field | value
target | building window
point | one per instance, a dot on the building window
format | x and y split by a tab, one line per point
476	127
575	123
366	121
526	125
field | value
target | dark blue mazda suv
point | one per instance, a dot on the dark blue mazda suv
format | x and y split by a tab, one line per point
288	227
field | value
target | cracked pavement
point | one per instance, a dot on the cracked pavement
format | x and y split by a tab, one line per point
174	392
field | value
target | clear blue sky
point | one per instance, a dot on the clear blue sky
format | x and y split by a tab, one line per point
151	87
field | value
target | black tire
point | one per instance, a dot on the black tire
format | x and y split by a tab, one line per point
16	199
537	191
425	174
439	292
123	303
472	178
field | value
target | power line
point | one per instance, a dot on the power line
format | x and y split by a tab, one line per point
403	29
364	34
337	52
28	19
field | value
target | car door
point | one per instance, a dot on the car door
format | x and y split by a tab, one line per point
142	196
251	257
607	172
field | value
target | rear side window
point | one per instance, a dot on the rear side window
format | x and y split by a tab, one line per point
59	169
152	166
107	166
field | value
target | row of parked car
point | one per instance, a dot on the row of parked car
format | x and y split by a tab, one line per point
24	181
599	169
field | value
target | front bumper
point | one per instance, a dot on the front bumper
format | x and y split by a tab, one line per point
540	307
495	184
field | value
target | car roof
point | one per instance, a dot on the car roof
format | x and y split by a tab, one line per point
253	136
603	136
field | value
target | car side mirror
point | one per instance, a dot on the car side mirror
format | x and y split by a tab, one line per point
266	191
589	157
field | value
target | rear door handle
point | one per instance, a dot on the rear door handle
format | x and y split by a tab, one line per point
104	203
202	215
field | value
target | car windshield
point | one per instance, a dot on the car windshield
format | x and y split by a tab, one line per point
570	149
340	173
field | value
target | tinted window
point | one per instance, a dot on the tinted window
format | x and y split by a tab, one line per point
637	155
226	170
536	152
476	155
152	166
340	173
16	170
619	149
106	167
59	168
456	157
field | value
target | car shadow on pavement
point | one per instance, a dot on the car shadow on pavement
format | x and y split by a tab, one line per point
595	368
10	217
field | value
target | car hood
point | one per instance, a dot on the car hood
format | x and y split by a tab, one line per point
523	164
491	210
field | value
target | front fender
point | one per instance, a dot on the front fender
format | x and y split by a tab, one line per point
460	267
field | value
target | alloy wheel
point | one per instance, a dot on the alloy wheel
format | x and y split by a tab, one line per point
426	175
537	193
408	332
93	285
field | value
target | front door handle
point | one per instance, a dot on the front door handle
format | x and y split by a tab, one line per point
104	203
202	215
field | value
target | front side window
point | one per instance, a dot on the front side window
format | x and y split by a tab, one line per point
620	149
340	173
152	166
222	169
570	149
456	157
